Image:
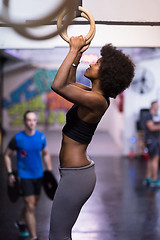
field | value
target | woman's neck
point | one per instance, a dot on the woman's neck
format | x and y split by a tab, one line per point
96	86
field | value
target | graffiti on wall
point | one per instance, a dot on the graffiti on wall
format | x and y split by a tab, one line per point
35	94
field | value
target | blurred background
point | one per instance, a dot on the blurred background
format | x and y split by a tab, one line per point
28	67
120	208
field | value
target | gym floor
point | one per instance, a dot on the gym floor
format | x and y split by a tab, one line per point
120	208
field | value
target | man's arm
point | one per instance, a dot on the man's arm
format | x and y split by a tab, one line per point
7	159
152	126
46	158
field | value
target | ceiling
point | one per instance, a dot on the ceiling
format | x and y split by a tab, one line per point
52	58
45	58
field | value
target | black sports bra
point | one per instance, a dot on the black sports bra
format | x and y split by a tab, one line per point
77	129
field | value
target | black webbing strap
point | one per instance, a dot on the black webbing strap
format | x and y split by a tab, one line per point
79	3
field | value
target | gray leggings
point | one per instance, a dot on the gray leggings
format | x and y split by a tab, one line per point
75	187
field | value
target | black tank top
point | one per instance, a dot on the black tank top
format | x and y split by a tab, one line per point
77	129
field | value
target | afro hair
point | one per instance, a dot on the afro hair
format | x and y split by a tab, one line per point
116	71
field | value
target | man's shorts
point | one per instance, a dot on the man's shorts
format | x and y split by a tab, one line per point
30	186
153	147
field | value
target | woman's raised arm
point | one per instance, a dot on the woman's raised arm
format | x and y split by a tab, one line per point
64	83
63	76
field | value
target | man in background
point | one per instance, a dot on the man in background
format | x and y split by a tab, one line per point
29	145
152	140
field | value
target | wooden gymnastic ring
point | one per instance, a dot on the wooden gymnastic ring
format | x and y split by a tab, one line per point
84	14
25	33
66	4
94	30
64	33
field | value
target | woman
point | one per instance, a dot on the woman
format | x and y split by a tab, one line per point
110	75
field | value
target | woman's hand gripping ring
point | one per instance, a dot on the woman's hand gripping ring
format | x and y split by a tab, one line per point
84	14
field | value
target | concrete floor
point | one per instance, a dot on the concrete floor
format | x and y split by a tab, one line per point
120	208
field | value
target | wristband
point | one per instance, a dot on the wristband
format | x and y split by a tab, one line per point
74	65
10	173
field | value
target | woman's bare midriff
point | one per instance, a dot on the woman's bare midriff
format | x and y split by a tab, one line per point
73	153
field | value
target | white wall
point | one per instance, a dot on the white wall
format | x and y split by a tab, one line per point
113	123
